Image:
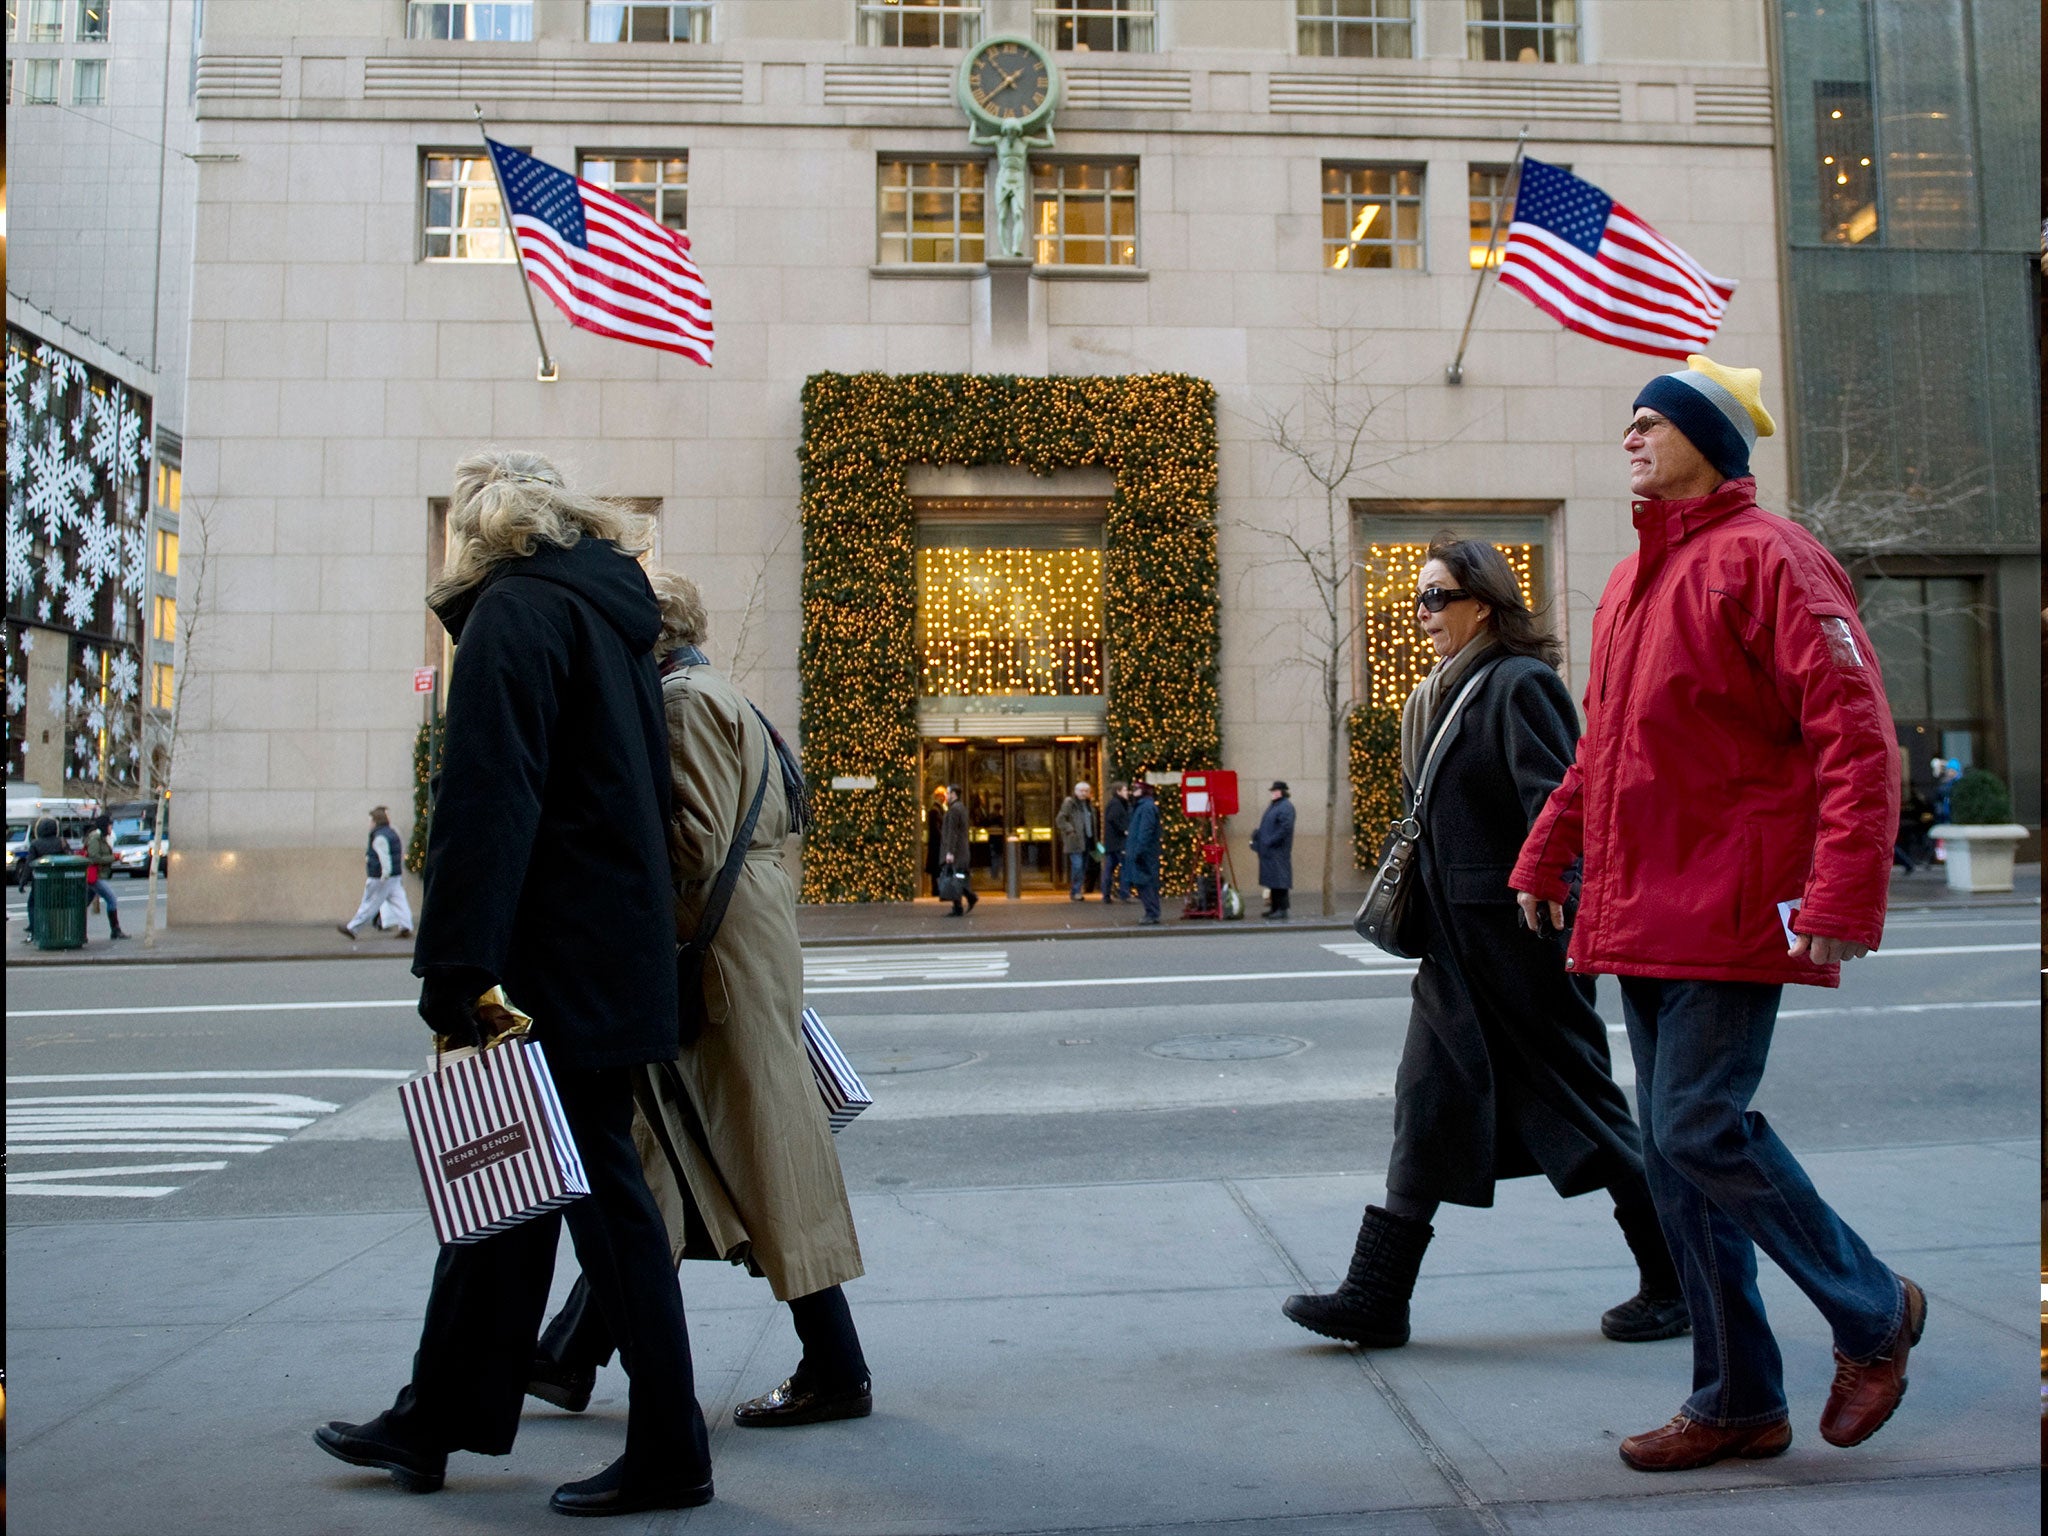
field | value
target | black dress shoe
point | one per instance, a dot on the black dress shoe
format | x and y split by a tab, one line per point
797	1402
373	1445
566	1386
612	1492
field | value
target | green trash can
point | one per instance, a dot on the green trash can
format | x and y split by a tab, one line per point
60	894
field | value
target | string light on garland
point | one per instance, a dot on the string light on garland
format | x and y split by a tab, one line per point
1010	621
860	663
1397	657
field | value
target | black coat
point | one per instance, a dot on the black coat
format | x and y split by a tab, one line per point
1116	823
1274	844
1506	1070
1141	842
547	853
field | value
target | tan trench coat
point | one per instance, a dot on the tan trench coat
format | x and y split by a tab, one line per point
741	1162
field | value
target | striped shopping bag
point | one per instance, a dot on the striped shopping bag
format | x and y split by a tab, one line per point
845	1095
491	1141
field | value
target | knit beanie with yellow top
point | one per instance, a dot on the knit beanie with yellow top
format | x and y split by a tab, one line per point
1720	410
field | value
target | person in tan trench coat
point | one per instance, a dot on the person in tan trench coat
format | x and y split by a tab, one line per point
735	1140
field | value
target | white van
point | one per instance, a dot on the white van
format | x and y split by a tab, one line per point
25	809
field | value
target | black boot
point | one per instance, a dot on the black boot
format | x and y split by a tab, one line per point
1371	1306
1657	1310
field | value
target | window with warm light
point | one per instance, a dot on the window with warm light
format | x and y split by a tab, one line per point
683	21
1846	143
1355	29
162	688
656	183
1095	26
170	482
163	619
1523	31
1372	216
930	211
920	23
1392	549
1491	199
998	617
1085	212
166	552
463	217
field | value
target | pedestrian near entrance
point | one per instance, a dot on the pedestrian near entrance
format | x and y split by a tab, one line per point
1505	1070
954	849
1735	799
99	871
1141	847
733	1137
547	870
1273	842
1075	822
934	831
1116	826
383	881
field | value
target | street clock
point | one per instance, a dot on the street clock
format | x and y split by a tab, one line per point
1008	80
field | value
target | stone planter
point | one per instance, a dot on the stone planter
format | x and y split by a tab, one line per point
1979	857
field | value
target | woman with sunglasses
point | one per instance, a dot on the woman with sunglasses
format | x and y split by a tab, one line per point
1505	1071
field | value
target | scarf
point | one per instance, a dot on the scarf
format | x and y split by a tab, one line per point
1419	715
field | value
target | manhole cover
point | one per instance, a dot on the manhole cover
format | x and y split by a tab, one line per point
895	1063
1227	1047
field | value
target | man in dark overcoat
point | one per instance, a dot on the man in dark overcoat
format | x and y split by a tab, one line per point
955	850
547	871
1273	842
1141	847
1116	826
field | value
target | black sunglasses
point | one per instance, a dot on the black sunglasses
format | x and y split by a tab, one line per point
1437	599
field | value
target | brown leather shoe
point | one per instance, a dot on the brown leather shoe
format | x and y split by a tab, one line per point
1867	1392
1686	1443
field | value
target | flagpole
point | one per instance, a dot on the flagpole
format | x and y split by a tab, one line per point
1455	374
547	372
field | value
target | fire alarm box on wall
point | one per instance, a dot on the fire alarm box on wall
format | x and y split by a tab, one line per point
1211	792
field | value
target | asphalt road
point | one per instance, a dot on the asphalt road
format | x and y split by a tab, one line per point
170	1092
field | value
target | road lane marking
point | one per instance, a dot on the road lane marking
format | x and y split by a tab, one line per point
379	1074
1953	949
1195	978
948	963
1369	955
58	1181
90	1124
1857	1009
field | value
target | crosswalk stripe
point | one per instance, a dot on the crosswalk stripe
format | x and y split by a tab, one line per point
85	1124
62	1181
947	963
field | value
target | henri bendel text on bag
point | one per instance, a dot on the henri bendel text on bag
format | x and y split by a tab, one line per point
473	1156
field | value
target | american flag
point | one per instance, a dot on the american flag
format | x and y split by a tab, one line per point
607	265
1595	268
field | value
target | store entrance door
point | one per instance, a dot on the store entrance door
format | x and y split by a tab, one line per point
1013	788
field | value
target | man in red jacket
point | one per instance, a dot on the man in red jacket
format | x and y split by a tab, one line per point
1732	809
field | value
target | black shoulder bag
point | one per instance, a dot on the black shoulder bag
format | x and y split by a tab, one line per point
1381	915
691	1014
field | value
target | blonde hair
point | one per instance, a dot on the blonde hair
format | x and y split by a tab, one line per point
683	620
508	502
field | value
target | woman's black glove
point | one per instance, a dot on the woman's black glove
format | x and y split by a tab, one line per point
448	997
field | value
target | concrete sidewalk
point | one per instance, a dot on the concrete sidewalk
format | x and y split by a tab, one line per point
1085	1358
906	922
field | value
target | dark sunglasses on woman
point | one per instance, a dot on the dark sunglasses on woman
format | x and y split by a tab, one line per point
1437	599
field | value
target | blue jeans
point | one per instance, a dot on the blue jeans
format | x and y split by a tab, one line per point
1077	872
1112	867
1725	1185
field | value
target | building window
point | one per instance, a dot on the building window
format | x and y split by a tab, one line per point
162	690
464	217
471	21
1009	609
13	18
920	23
1932	636
1355	29
1372	216
46	22
1846	141
1095	26
930	211
166	552
1523	31
685	21
657	184
1393	546
170	491
88	82
1084	213
92	21
1492	210
39	81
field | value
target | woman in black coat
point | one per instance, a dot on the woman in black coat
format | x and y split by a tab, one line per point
1505	1072
547	870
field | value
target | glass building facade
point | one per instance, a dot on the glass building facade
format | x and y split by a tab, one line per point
1909	178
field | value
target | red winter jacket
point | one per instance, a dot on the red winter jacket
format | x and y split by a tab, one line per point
1739	753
